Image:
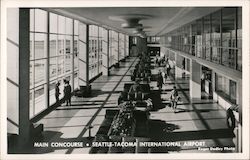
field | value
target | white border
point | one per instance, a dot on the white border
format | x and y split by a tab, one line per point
128	3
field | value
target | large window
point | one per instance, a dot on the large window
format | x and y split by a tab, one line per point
104	43
38	60
95	50
207	37
226	88
229	37
198	39
126	45
239	39
121	46
50	61
153	39
115	46
54	54
216	37
60	53
111	55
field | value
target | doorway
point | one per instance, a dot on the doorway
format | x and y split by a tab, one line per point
206	83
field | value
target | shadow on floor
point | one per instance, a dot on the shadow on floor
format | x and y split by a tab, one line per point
155	95
79	108
158	130
162	131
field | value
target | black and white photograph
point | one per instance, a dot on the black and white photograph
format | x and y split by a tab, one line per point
124	79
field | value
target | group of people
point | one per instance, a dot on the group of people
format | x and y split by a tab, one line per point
163	75
160	61
66	91
162	78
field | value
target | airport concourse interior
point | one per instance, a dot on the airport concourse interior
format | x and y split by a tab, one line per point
124	80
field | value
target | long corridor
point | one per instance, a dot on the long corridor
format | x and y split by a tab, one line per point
198	121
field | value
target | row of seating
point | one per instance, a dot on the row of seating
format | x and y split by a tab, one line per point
141	131
141	95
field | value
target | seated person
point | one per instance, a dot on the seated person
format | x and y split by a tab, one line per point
134	90
123	97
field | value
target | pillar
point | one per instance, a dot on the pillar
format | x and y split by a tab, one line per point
105	54
83	55
239	127
24	78
195	79
178	66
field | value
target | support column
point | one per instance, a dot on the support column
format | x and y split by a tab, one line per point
47	51
24	78
73	57
118	49
178	67
195	79
239	127
105	55
215	98
83	55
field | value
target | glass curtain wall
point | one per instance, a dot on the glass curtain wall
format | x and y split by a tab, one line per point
121	46
51	61
115	47
60	53
111	55
126	45
206	48
93	51
104	42
152	39
226	88
100	48
239	39
97	46
54	54
229	37
216	37
38	60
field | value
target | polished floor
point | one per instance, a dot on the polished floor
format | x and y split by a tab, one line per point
196	120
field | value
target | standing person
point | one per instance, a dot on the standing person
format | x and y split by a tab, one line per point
163	74
174	98
134	90
168	69
67	93
57	92
156	60
167	60
183	64
159	80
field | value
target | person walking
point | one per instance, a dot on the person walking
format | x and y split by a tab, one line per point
159	80
163	74
174	98
168	68
57	92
